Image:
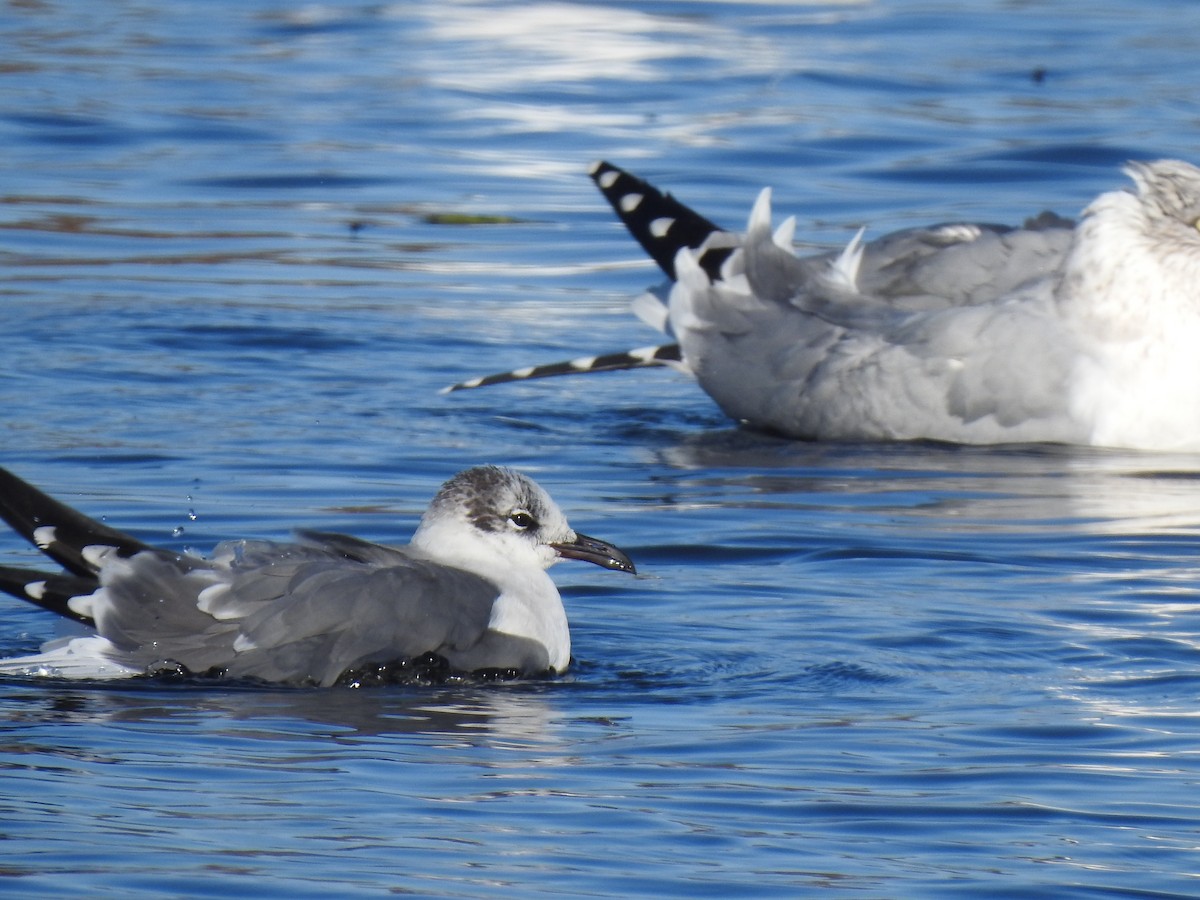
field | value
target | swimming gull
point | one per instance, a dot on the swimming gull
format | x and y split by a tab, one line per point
470	589
1055	331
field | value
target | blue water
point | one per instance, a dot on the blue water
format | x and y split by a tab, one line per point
859	671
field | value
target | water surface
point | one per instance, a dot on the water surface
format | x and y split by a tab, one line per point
231	296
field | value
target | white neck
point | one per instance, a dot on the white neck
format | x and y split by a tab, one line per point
529	605
534	610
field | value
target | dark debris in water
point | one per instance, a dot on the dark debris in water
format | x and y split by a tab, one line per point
451	218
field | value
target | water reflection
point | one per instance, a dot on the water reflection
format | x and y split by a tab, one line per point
525	713
1087	490
530	45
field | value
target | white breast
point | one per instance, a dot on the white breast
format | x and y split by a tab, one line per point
533	609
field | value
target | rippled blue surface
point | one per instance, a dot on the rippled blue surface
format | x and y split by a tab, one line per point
891	671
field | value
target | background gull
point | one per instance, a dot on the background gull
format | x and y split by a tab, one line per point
970	333
471	589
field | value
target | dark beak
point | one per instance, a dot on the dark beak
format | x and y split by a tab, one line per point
594	550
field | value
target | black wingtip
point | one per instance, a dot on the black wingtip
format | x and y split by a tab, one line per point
608	362
51	591
59	531
657	221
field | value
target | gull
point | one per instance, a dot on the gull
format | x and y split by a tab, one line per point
1081	333
470	592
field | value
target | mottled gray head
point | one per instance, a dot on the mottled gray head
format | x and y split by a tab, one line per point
490	516
1169	189
495	499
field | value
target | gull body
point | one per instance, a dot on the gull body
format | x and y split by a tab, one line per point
1055	331
471	589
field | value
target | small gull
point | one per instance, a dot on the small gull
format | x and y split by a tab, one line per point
1055	331
470	591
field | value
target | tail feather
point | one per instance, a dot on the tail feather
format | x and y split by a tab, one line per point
65	535
657	221
668	354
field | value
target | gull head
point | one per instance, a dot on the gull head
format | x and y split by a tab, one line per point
1133	271
490	519
1163	224
1169	190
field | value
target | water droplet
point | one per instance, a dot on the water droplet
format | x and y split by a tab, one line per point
192	515
177	531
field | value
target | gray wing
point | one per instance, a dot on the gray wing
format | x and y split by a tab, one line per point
302	612
912	339
915	270
962	264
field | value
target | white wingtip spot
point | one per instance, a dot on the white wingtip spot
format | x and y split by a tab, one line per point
583	363
44	536
35	590
660	227
630	202
608	179
462	385
523	373
95	554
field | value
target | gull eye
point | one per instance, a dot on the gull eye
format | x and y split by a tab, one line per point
522	519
